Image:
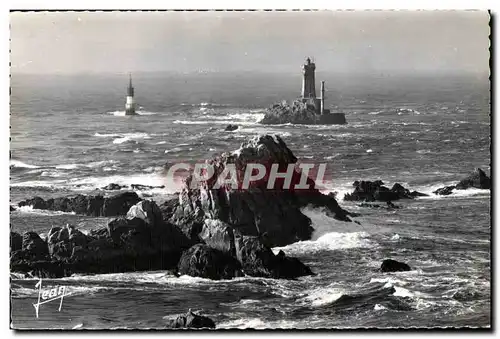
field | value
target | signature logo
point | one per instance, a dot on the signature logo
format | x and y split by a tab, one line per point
48	295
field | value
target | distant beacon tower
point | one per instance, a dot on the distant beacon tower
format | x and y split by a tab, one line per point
308	81
130	103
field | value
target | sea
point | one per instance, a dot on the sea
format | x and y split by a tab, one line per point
69	135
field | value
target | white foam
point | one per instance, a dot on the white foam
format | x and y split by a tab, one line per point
379	307
130	136
68	166
20	164
322	296
30	209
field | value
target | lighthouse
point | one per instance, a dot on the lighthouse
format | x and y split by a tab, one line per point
130	103
308	80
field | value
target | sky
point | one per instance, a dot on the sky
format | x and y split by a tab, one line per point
371	42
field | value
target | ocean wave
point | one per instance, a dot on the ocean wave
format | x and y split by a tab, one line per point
123	113
30	209
20	164
328	242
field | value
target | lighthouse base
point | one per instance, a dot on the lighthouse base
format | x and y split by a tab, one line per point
130	111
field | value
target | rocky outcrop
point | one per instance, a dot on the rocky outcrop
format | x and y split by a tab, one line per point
140	241
447	190
476	179
257	260
16	241
96	206
219	235
296	113
272	214
230	128
376	191
113	187
190	320
206	262
389	265
140	187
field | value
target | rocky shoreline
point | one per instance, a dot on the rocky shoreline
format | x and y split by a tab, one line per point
208	231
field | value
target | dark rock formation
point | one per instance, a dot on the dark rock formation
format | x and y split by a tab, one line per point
376	191
205	262
299	113
96	206
140	187
12	208
16	241
273	214
191	320
219	235
230	128
389	265
112	187
259	261
476	179
447	190
142	241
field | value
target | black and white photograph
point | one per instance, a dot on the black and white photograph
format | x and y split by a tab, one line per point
251	169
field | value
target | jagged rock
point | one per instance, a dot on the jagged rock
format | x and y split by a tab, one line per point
273	214
376	191
477	179
230	128
191	320
16	241
259	261
12	208
205	262
389	265
148	211
34	246
125	245
61	241
112	187
140	187
444	190
96	206
219	235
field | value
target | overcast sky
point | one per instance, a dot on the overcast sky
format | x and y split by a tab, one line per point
357	41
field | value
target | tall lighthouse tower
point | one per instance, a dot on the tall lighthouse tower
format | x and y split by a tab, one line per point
308	86
130	103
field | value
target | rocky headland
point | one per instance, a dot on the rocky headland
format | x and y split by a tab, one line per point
206	231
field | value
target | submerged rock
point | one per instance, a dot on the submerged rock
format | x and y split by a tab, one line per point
96	206
191	320
444	190
112	187
230	128
140	187
376	191
389	265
